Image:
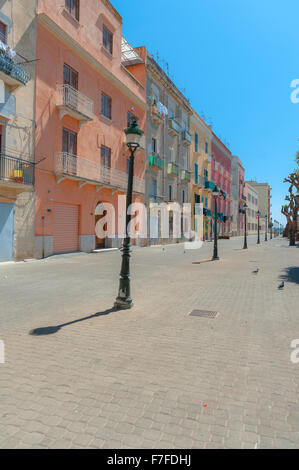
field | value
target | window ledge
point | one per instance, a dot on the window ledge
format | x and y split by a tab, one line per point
107	53
106	120
70	17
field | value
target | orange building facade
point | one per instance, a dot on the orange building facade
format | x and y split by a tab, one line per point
85	98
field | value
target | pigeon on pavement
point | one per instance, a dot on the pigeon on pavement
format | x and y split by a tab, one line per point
281	286
256	271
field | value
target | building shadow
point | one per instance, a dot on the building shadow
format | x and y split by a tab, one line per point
51	330
291	274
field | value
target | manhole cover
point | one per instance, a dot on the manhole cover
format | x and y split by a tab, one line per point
203	314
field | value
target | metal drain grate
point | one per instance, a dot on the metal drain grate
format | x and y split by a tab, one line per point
203	314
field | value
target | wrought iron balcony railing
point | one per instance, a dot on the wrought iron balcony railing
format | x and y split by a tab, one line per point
16	170
209	185
174	127
72	102
86	171
173	169
16	74
186	136
155	162
185	176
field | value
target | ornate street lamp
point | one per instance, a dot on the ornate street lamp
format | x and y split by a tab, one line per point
124	300
271	233
266	228
258	228
245	227
216	194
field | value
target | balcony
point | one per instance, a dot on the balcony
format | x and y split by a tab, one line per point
173	127
11	73
156	197
209	185
172	170
156	116
15	172
84	171
72	103
186	137
207	212
155	162
185	176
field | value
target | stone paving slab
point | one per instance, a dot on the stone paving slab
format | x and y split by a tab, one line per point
153	376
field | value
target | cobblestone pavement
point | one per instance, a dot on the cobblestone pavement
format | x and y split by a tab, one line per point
142	378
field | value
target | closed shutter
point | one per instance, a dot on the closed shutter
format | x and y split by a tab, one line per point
66	228
6	231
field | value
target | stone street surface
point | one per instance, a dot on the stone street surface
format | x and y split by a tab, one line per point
141	378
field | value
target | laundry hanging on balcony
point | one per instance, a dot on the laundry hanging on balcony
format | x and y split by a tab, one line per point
5	48
162	109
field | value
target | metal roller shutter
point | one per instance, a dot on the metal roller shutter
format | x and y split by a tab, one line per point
66	228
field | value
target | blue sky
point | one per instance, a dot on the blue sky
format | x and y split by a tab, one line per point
236	60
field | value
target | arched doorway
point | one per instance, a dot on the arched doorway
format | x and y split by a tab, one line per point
100	213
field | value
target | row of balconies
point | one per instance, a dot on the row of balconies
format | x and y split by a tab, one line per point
174	127
84	171
156	163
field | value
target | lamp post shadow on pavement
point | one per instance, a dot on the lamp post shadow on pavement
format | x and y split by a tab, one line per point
124	300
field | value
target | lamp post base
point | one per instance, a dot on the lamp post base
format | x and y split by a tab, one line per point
123	304
215	258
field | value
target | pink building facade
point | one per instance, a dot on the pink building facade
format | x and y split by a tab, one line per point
85	98
222	177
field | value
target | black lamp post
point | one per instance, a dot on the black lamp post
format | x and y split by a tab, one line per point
258	228
215	193
266	228
124	300
271	224
245	227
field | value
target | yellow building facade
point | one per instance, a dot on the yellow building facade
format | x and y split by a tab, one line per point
201	170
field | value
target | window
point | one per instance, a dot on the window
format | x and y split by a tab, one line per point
154	145
107	39
170	155
105	157
72	6
196	142
196	173
130	118
207	147
154	188
70	76
69	149
3	32
69	142
106	106
206	174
